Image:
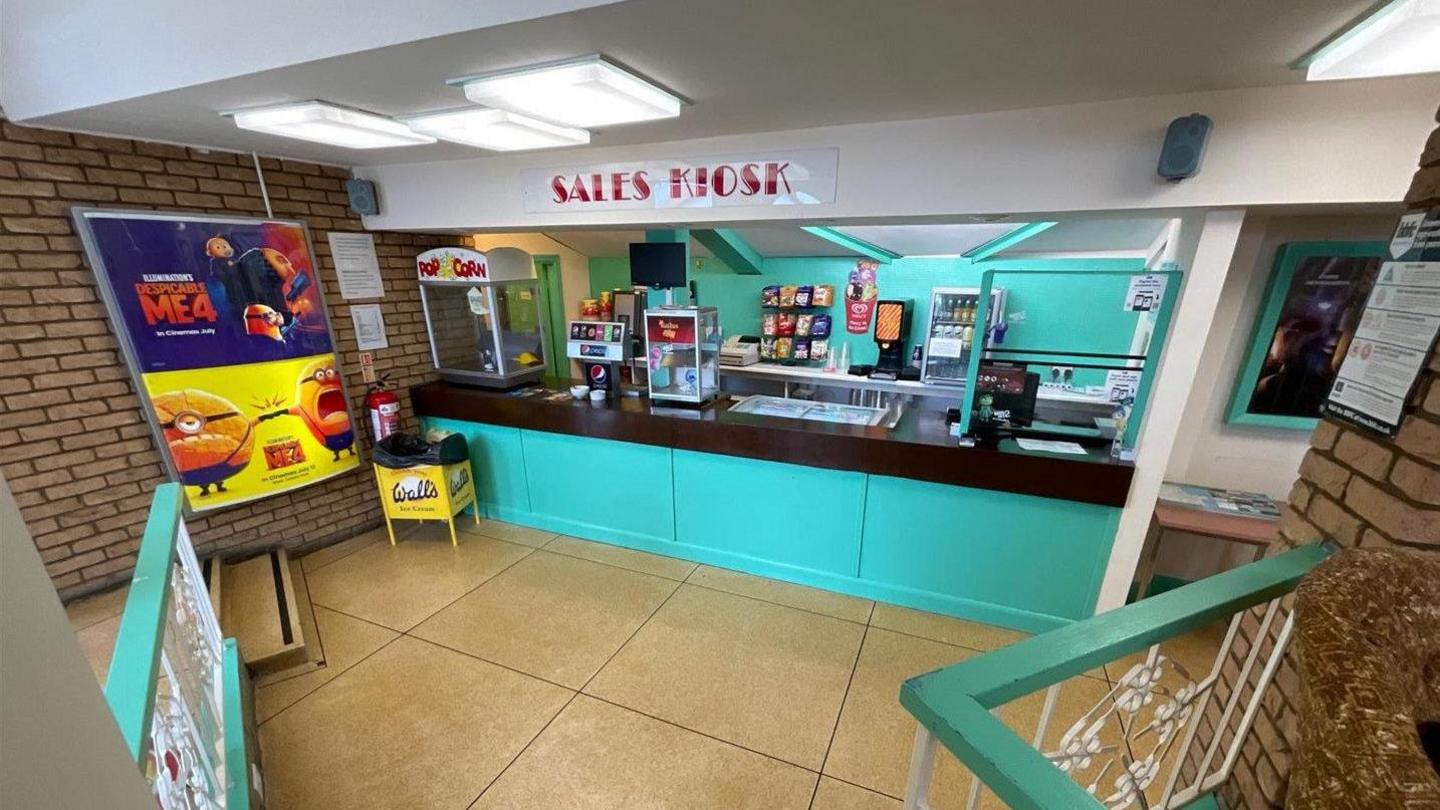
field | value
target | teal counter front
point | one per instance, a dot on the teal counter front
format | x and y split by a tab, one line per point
839	519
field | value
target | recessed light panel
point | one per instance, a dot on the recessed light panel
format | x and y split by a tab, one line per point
496	129
589	92
1400	38
319	122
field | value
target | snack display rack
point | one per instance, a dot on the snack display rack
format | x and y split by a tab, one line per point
794	326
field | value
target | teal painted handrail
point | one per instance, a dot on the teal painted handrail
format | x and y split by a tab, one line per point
954	702
134	669
237	763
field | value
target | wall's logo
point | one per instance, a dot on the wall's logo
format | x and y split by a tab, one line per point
458	481
413	488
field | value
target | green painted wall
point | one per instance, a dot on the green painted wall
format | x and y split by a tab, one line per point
1080	314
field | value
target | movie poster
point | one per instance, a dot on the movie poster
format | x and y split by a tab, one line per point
1317	320
224	327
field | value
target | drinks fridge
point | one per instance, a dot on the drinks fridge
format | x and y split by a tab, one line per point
682	353
952	332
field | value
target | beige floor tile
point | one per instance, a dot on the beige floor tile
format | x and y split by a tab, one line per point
346	642
98	643
836	795
555	617
400	586
763	676
509	532
773	590
596	756
872	742
412	726
97	608
321	557
935	627
621	557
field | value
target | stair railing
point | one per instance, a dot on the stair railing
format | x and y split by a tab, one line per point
1159	738
175	686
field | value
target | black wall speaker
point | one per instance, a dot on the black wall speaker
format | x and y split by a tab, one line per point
362	197
1184	147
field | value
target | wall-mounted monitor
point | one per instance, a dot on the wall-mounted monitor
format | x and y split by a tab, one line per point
658	265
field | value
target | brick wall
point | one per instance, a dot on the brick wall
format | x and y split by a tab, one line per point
74	444
1358	490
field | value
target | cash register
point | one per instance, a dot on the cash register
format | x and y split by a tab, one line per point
740	350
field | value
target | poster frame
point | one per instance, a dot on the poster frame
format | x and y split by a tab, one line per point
81	217
1287	260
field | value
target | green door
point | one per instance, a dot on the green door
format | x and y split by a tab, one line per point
552	300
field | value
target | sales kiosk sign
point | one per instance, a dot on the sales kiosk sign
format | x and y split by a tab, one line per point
804	177
223	323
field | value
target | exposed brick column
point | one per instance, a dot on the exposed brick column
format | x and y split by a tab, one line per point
1356	489
74	444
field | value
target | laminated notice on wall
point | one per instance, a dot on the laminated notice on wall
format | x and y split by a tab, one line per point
1145	293
1396	333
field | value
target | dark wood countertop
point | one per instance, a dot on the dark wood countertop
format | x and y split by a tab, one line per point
918	447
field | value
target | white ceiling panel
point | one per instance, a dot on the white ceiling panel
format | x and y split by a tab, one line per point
1091	236
746	67
930	240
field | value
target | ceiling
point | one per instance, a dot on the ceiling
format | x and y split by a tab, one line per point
1132	237
756	67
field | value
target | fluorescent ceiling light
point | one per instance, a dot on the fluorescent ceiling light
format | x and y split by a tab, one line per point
1400	37
496	129
586	92
326	123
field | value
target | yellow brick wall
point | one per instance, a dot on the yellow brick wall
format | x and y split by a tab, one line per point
74	444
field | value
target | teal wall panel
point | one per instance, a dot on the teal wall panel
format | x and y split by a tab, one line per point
1019	551
1014	560
783	513
1083	314
599	489
608	274
498	463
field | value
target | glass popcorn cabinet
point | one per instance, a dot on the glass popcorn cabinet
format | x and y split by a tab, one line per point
482	311
682	353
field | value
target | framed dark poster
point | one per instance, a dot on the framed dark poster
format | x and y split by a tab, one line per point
1312	306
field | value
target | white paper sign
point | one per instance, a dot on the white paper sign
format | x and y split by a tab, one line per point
805	177
1050	446
1145	293
356	265
1120	384
1390	347
369	327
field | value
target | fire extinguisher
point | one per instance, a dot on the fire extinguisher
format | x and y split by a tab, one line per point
384	407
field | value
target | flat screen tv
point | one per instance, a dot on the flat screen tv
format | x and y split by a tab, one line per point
659	265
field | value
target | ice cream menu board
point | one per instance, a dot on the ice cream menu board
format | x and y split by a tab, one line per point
1393	340
224	327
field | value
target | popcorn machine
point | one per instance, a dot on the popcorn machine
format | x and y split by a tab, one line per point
483	315
682	353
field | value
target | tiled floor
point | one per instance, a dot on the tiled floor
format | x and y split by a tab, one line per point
528	670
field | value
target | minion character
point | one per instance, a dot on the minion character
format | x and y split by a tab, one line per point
208	437
219	249
263	321
320	404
